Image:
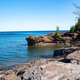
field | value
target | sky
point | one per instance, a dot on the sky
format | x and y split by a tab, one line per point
31	15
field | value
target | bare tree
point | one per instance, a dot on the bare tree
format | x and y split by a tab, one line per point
77	12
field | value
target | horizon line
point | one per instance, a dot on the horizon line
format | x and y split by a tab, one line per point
25	30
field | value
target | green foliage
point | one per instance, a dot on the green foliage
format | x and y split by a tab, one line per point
51	32
76	28
36	36
57	35
72	29
30	35
78	24
78	32
74	45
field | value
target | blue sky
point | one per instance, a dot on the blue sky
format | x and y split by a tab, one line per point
30	15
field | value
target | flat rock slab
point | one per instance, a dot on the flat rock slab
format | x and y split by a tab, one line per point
53	71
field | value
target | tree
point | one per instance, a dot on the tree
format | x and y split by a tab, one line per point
77	26
57	35
77	12
72	29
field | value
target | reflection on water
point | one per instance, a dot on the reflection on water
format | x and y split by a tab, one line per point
42	52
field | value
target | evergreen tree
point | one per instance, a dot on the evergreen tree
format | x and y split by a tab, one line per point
72	29
78	24
57	35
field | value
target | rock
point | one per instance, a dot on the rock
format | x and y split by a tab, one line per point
66	39
48	40
52	71
39	61
20	69
11	77
65	51
43	69
8	75
71	34
74	57
48	69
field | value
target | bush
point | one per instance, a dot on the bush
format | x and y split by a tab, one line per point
30	35
51	32
76	28
57	35
72	29
36	36
78	32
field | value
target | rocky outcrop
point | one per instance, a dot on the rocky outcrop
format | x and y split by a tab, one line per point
65	51
74	57
71	54
43	69
65	39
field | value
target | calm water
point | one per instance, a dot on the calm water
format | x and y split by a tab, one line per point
14	48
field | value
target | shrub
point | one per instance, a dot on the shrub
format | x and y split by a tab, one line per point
72	29
36	36
51	32
57	35
78	32
30	35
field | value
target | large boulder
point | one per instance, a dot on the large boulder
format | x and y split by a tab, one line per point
74	57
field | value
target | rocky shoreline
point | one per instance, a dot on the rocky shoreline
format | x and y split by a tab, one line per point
65	65
66	38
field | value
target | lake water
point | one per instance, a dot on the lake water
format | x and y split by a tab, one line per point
14	49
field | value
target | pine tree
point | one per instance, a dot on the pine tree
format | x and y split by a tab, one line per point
57	35
72	29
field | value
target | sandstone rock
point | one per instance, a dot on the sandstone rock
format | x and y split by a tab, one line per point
48	40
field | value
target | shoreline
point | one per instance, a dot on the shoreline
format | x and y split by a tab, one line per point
60	67
11	66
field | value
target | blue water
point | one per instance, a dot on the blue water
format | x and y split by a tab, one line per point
14	48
